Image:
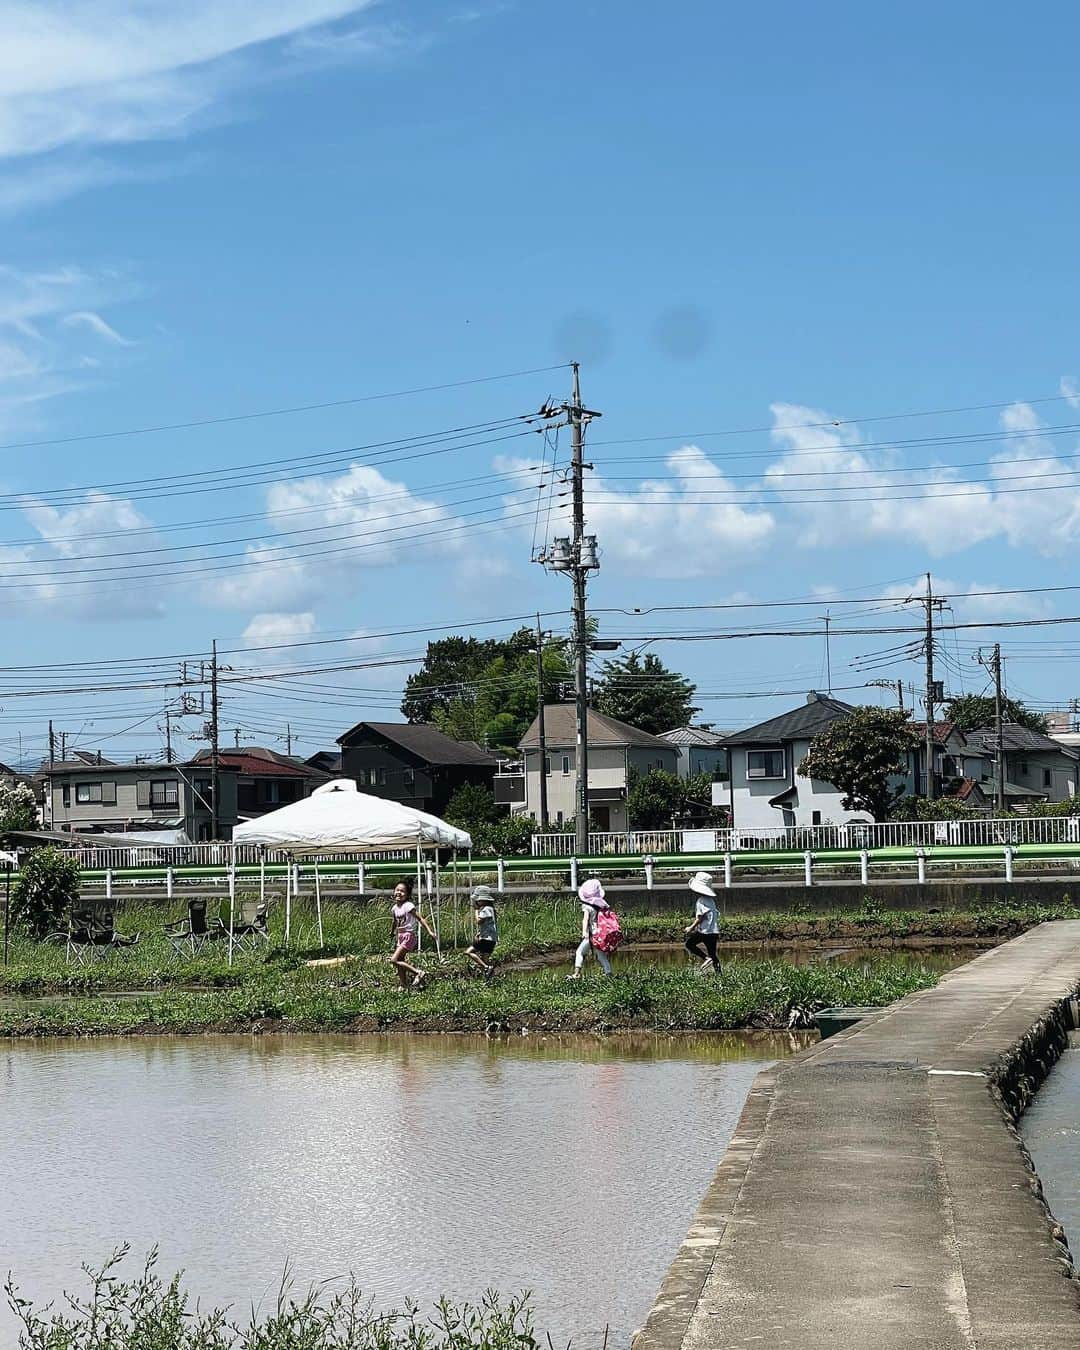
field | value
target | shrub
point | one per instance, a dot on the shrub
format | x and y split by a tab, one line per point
18	809
48	882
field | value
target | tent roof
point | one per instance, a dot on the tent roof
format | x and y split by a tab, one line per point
336	818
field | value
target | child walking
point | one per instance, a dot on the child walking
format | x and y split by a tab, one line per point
487	930
704	933
591	895
406	926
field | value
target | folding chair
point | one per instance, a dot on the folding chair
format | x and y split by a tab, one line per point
197	930
92	928
250	927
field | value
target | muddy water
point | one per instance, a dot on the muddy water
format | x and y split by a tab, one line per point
426	1165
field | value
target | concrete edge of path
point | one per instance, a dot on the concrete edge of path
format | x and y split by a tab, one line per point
996	1068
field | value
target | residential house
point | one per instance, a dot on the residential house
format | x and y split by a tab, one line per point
1037	767
953	759
764	789
617	751
413	763
265	779
114	798
698	750
326	761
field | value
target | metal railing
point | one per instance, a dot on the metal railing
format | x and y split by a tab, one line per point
888	834
120	856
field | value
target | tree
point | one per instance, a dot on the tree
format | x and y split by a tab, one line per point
859	754
485	691
654	799
471	806
971	712
644	693
47	884
18	809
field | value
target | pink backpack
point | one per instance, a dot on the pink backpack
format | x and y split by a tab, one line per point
608	933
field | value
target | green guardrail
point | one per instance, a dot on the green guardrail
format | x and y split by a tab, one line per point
987	854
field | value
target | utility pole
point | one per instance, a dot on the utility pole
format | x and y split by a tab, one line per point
288	739
999	728
168	733
828	657
215	759
581	635
52	743
932	694
577	555
540	723
900	694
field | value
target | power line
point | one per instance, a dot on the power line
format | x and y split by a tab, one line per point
280	412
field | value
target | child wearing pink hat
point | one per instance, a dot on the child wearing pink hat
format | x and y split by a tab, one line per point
591	895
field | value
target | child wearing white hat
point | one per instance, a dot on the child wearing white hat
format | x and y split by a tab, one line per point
704	933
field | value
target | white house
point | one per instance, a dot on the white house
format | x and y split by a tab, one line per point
616	752
764	788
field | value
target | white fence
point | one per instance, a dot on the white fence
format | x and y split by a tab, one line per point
117	857
890	834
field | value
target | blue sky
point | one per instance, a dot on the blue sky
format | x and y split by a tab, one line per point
764	218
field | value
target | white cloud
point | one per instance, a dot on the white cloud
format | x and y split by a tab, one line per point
86	318
268	629
672	528
357	520
78	72
1070	390
1031	498
68	574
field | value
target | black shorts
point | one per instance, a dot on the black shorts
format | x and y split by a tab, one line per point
483	946
695	941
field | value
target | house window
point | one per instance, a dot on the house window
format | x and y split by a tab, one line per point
765	763
408	779
67	794
566	764
272	791
88	793
547	766
815	817
1047	778
163	792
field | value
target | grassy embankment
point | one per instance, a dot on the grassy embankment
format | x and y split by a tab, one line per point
148	987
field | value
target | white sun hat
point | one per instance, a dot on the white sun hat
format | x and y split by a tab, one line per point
701	884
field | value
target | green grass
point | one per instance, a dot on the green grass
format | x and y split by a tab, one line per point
747	994
274	988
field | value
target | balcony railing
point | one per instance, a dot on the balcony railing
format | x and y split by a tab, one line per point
817	838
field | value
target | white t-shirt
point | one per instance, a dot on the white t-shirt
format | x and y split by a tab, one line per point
705	910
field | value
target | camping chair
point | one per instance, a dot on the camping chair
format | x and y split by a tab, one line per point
197	930
250	927
92	928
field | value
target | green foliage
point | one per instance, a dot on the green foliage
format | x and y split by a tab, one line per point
484	691
936	808
654	799
494	832
643	692
858	755
699	794
970	712
48	882
18	809
147	1312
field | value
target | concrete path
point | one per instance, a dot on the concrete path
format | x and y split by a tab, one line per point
875	1195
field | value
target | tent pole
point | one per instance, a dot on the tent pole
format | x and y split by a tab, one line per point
262	874
288	899
419	894
454	883
232	905
438	906
318	903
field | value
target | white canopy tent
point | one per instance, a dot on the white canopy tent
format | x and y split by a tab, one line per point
336	818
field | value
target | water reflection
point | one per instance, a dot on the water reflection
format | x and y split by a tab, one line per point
427	1165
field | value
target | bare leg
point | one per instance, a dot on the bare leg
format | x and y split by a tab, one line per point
477	959
403	967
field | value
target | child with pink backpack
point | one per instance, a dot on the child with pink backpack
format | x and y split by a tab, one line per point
600	930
